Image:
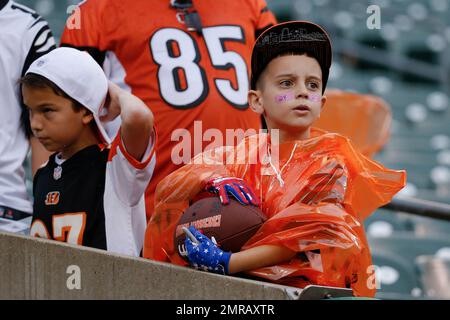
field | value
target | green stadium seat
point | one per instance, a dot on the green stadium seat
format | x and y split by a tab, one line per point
395	275
408	246
435	276
427	227
384	223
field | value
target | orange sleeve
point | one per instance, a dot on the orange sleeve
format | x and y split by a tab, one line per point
344	255
371	184
349	178
264	17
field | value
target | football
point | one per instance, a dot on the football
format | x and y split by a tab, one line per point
231	225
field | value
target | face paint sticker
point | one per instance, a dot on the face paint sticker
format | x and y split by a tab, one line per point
314	97
284	97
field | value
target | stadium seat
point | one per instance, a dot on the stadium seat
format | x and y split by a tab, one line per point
435	276
408	246
395	275
384	223
427	227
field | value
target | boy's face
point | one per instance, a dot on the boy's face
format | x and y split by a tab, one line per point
53	120
289	94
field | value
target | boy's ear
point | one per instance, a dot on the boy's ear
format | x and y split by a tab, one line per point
323	101
255	101
87	117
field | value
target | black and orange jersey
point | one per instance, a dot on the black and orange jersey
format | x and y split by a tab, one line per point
95	198
183	76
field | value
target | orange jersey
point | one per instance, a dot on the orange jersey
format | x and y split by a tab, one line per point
181	75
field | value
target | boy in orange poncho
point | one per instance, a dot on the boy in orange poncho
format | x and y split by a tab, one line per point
314	187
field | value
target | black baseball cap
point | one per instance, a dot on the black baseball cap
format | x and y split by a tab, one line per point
292	36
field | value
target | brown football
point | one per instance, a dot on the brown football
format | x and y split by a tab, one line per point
231	225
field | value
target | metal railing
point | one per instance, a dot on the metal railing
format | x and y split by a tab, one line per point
424	208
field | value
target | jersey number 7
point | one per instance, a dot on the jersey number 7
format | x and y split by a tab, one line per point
68	227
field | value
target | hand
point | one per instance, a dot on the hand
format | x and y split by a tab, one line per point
112	103
203	253
234	186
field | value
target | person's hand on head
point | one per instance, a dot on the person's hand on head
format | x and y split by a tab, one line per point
111	108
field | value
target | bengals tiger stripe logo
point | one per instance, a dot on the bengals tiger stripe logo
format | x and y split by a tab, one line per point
52	198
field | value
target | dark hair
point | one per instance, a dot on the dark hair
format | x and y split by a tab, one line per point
37	81
33	80
292	53
297	36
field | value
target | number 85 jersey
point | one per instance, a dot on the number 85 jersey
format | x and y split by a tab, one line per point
183	76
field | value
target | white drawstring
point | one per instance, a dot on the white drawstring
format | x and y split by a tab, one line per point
278	173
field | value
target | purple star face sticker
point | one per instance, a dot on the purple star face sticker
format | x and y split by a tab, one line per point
281	98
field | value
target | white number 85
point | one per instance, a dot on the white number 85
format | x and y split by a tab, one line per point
187	61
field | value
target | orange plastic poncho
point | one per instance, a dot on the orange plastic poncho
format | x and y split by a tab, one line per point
365	119
315	199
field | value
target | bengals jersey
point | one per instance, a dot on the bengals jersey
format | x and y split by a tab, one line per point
95	198
183	76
